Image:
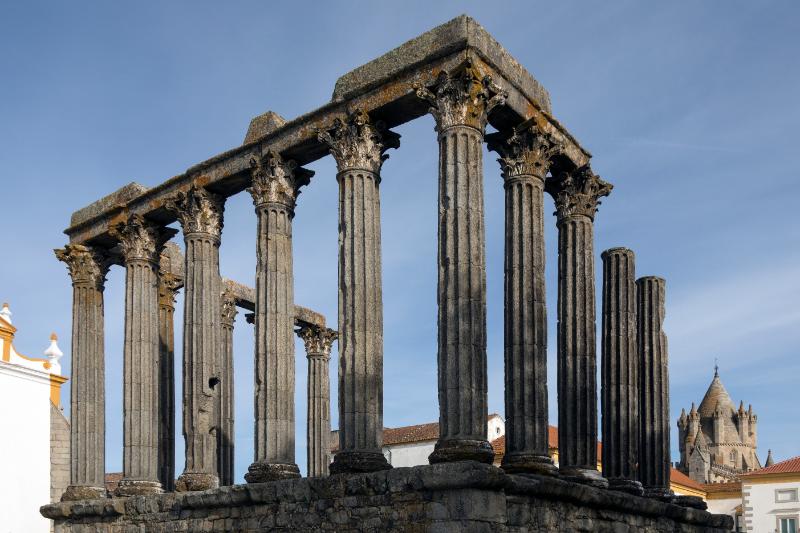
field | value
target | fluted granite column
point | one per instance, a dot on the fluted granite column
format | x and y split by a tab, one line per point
275	186
358	148
620	372
225	444
141	242
200	214
460	103
525	160
168	286
87	267
654	453
577	195
318	341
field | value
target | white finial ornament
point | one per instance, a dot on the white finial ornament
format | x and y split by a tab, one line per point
6	313
54	353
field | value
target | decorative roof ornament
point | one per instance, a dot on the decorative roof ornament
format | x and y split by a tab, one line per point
6	313
54	354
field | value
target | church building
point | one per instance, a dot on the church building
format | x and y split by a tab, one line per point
717	441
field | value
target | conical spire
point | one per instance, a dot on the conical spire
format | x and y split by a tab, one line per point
770	460
741	408
716	397
693	411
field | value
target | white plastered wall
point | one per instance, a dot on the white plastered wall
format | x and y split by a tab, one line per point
761	511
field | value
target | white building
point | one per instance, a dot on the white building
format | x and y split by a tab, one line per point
28	389
771	498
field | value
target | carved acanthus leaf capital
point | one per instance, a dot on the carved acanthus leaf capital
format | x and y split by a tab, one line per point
198	210
356	143
462	98
228	308
318	339
141	240
276	181
527	151
86	265
577	193
168	286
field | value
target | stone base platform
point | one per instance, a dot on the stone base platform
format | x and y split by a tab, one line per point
455	497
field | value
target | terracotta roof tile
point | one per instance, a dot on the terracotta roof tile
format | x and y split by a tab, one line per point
727	486
676	476
789	466
112	480
499	444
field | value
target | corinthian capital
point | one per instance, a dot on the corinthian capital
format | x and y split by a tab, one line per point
168	286
318	339
228	308
140	239
199	211
86	265
356	143
276	180
527	151
577	193
462	98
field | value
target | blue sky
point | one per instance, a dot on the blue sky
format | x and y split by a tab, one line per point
689	109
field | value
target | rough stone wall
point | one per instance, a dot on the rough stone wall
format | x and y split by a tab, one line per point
59	453
454	497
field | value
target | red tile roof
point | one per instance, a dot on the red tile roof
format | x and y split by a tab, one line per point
789	466
112	480
676	476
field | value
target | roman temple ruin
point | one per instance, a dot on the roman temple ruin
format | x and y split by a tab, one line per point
462	77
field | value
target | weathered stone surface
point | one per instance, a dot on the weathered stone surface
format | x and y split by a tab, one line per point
225	440
460	103
525	159
263	125
200	213
141	242
577	196
168	286
318	341
274	187
88	268
461	33
358	146
654	454
454	497
620	372
116	198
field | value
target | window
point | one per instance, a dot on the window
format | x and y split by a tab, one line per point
785	495
787	525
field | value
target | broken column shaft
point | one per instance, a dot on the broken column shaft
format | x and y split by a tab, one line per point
200	214
274	188
620	372
654	451
460	103
88	268
358	147
577	196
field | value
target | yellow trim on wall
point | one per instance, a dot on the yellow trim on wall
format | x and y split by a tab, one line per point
771	478
55	388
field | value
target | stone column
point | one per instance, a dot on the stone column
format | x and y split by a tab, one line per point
620	372
577	196
225	444
168	286
358	147
141	242
654	453
525	160
460	103
275	186
318	341
87	267
200	214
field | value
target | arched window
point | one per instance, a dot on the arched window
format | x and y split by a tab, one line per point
733	456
